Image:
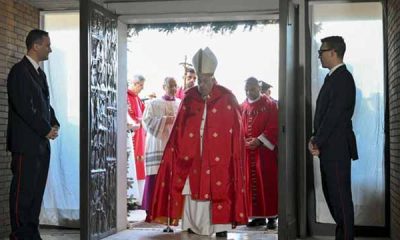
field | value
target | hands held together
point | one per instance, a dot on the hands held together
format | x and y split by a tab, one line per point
53	134
313	148
252	143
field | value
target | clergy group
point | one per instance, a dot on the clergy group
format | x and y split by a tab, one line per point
199	156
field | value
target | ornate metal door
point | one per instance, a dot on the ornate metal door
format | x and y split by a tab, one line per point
98	121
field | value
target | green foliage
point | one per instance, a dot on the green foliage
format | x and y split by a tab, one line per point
208	27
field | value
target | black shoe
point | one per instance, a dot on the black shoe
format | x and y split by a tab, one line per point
168	229
257	222
190	231
136	206
272	225
223	234
34	237
133	206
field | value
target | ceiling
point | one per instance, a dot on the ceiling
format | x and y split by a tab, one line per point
54	5
161	11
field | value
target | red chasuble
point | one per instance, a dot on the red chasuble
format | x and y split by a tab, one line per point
218	174
135	111
261	117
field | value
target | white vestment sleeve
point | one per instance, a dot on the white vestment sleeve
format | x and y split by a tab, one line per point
152	122
134	125
266	142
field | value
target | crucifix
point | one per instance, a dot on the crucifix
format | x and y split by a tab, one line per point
185	65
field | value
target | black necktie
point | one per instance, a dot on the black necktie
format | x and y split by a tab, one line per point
326	77
44	80
41	73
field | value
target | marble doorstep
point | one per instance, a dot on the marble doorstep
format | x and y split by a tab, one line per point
154	234
332	238
59	234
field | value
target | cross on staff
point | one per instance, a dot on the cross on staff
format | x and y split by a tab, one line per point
185	65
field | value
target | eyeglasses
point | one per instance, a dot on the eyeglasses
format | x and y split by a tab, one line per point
323	50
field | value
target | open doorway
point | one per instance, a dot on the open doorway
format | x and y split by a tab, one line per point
249	50
128	12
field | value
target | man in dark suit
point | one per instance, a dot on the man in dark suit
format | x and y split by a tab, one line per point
31	124
333	139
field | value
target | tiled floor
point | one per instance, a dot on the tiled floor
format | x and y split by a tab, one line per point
140	230
156	234
145	231
152	234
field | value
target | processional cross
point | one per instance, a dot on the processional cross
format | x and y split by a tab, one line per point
185	65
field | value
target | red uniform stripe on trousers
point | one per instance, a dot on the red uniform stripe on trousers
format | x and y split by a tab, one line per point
18	190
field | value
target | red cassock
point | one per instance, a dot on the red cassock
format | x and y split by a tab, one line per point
218	174
135	111
261	117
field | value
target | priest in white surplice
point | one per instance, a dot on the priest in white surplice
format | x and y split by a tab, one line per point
158	117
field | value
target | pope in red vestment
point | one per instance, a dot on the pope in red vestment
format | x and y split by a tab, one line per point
205	156
260	120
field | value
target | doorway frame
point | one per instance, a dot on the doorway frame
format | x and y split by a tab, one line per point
287	199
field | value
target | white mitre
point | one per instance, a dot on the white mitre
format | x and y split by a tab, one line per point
204	61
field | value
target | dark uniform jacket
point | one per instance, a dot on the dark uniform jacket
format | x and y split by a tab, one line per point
30	116
333	129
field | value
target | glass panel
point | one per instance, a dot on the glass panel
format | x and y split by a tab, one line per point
360	24
61	199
